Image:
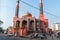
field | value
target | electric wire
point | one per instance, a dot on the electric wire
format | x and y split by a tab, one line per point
39	9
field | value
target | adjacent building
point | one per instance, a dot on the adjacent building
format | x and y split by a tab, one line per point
55	27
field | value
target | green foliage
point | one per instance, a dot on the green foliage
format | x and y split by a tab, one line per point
1	30
1	22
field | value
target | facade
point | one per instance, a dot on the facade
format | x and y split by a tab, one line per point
55	26
27	24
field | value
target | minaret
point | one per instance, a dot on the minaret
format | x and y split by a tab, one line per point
41	7
16	15
41	16
17	8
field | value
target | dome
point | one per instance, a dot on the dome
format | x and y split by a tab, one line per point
27	14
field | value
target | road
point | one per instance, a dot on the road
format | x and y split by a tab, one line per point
4	37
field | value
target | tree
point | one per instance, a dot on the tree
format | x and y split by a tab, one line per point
1	30
1	22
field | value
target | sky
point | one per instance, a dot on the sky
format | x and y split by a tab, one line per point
7	10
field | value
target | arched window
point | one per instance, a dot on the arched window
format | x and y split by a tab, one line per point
17	24
31	25
37	25
24	24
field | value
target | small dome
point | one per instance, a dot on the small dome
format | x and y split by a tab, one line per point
27	14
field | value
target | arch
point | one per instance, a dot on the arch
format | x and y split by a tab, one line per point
37	25
17	24
24	24
31	25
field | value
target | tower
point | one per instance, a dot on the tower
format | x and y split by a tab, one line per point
17	9
16	13
41	16
16	16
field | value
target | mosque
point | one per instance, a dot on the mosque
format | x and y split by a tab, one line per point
27	24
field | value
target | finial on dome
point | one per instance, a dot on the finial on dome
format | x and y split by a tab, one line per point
27	14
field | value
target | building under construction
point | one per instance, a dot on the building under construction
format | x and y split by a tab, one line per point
27	24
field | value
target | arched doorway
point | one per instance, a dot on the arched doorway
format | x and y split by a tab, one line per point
23	30
17	28
31	27
24	24
17	24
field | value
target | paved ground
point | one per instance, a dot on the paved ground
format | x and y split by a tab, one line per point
4	37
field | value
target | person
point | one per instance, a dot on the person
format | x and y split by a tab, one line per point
15	34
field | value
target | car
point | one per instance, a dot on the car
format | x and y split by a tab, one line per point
39	35
9	34
58	34
35	35
43	36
